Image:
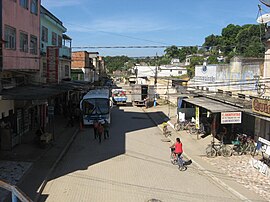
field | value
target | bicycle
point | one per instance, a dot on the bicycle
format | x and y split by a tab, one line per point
166	131
186	125
215	149
201	130
178	161
249	147
237	147
244	145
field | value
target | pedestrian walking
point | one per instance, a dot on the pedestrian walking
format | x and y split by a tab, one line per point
100	130
95	126
106	129
70	120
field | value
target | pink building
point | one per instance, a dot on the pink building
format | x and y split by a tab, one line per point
20	22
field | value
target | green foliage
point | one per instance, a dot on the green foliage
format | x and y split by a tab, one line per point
212	59
237	40
184	51
115	63
172	52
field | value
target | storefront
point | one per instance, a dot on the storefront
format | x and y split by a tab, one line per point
216	116
261	112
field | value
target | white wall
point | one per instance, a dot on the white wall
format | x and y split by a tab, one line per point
162	71
5	106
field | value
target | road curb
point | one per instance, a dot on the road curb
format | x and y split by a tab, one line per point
42	186
215	179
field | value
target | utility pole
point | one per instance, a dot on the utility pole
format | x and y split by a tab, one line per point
168	98
156	71
155	83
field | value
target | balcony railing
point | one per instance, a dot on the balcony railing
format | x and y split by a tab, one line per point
65	52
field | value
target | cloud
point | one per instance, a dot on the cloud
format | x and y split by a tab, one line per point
59	3
119	26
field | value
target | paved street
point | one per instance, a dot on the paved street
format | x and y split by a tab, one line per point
133	165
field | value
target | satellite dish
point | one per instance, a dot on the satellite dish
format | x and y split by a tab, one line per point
265	18
266	2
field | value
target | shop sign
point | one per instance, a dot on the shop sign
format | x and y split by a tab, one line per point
261	106
231	117
260	166
197	122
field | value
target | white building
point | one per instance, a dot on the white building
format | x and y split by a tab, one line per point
239	76
161	71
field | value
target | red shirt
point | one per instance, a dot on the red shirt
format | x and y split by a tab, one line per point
100	129
178	148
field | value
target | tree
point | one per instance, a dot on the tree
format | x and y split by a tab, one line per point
249	42
236	40
196	60
212	41
172	52
184	51
115	63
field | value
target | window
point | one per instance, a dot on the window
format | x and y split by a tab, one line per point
10	37
33	45
24	3
59	41
44	34
66	70
34	6
23	42
54	39
179	72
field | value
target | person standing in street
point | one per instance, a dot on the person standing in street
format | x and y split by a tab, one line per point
95	126
106	129
100	131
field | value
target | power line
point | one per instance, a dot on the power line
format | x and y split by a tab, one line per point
121	35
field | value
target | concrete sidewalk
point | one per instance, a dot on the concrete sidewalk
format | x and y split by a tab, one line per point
38	162
194	149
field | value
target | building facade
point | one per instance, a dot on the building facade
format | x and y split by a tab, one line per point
161	71
87	66
21	33
240	76
234	87
19	64
55	49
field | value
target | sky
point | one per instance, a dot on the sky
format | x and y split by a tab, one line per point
109	23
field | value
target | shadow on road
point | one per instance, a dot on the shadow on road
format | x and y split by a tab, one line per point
86	151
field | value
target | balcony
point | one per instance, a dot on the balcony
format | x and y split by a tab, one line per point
65	52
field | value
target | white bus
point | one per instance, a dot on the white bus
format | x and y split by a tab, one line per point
96	105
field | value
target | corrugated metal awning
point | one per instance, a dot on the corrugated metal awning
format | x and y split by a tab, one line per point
260	116
39	92
211	105
30	93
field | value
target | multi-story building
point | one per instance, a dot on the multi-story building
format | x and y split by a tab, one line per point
20	30
55	49
30	32
83	67
21	35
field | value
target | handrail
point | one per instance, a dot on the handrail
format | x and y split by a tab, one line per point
16	192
